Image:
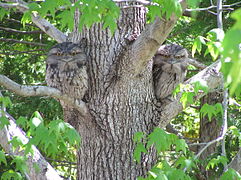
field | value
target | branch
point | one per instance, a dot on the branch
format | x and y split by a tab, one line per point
13	52
17	21
195	63
21	32
236	162
22	42
43	24
45	170
145	46
24	90
213	7
209	75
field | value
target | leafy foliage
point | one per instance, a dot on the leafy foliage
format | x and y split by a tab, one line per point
231	55
176	161
211	110
164	142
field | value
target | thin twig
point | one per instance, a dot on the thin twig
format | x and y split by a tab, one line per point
22	42
21	32
214	7
17	21
13	52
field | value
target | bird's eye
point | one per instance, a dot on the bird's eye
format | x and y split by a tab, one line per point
166	55
58	54
179	57
74	53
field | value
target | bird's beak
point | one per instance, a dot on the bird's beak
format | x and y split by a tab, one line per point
172	61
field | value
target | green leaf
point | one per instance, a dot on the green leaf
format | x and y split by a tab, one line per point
3	13
213	48
197	45
26	18
215	161
219	108
181	145
40	135
200	85
67	19
3	158
154	11
110	22
3	122
10	175
22	121
208	110
138	136
187	98
159	138
28	148
215	35
231	60
73	137
48	6
21	165
230	174
138	150
6	101
16	142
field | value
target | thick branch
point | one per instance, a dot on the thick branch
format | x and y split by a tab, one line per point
23	90
150	40
43	24
209	76
45	170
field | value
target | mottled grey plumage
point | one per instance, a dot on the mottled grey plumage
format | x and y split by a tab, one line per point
66	69
169	69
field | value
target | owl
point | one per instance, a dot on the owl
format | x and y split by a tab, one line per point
169	69
66	69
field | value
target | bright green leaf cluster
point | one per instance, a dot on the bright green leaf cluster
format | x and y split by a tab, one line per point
231	55
5	101
161	140
211	110
215	161
10	174
165	8
212	41
54	138
97	11
20	162
163	171
189	91
94	11
230	174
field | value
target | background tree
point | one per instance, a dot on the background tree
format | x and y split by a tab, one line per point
120	99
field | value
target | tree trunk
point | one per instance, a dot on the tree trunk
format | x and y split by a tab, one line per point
120	102
209	130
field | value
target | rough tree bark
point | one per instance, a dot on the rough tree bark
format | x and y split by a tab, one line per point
209	129
120	99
